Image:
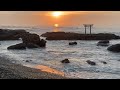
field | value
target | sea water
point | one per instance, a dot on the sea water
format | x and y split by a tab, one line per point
56	51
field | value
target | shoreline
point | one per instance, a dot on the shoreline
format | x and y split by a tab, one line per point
9	70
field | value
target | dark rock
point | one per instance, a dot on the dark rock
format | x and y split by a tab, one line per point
20	46
78	36
114	48
103	43
7	34
42	43
34	39
91	62
104	62
28	60
31	45
29	41
65	61
72	43
30	38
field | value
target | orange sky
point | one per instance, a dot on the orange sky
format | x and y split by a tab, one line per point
66	18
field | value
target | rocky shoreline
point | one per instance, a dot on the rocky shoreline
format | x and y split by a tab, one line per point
9	70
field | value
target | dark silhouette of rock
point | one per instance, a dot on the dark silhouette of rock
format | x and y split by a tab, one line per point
28	60
91	62
7	34
20	46
114	48
78	36
34	39
31	38
42	43
31	45
72	43
103	43
104	62
29	41
65	61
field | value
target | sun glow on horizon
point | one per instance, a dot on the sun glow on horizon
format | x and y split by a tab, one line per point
57	14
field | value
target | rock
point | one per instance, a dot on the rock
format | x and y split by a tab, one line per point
28	60
72	43
31	45
104	62
114	48
20	46
42	43
78	36
7	34
34	39
65	61
103	43
30	38
91	62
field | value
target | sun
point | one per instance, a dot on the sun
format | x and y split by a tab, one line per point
56	25
57	14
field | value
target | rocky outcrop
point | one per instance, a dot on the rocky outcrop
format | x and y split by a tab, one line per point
114	48
103	43
33	39
72	43
65	61
78	36
29	41
7	34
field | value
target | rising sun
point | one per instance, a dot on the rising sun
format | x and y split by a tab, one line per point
57	14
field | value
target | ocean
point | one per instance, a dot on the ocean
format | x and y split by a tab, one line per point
56	51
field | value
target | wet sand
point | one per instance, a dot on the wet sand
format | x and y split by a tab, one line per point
9	70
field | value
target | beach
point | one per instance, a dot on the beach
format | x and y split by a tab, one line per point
9	70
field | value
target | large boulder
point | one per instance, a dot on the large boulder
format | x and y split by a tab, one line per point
20	46
30	38
103	43
114	48
34	39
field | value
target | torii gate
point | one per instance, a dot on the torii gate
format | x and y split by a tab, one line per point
88	25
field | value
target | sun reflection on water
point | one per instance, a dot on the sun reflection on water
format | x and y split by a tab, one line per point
50	70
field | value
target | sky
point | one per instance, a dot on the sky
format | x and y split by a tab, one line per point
62	18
